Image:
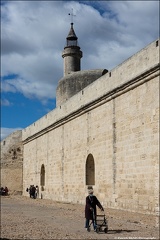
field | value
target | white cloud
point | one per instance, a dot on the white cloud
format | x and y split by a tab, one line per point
31	90
7	131
5	102
34	33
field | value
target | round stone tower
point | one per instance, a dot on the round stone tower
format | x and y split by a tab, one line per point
74	80
72	54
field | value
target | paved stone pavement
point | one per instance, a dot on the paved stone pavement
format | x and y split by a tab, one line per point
25	218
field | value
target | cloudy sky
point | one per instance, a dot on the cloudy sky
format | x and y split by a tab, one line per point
33	35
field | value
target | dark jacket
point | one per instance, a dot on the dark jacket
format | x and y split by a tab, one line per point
91	203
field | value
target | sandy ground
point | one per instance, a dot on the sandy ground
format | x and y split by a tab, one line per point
25	218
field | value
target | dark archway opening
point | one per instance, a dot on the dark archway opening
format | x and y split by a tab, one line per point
90	170
42	180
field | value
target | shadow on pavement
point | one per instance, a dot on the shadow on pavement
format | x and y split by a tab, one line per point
120	231
5	238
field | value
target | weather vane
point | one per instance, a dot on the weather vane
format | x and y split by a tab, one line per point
72	15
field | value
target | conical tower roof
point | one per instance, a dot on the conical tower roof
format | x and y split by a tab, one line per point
71	34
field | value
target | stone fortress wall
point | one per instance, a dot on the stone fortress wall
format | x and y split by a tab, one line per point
106	136
12	162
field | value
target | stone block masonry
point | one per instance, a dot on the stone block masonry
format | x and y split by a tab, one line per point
12	162
105	136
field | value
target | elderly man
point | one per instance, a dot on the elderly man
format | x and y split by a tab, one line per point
90	209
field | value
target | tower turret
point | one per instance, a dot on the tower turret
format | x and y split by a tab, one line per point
74	80
72	54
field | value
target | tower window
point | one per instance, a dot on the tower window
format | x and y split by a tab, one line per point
71	43
157	43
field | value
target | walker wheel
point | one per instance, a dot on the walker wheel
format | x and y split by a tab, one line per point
106	230
97	230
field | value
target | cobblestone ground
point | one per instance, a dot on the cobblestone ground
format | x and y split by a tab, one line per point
25	218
